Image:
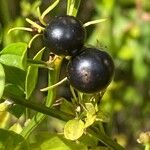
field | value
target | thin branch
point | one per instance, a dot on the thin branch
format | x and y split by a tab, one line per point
42	109
20	28
55	85
34	24
49	9
33	38
94	22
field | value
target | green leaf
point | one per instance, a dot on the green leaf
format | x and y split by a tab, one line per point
16	128
32	75
48	141
90	108
91	114
12	89
9	140
14	55
14	76
74	129
2	80
56	143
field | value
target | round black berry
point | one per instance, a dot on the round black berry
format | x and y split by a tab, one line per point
64	35
90	71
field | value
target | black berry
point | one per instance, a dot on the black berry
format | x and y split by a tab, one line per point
90	71
64	35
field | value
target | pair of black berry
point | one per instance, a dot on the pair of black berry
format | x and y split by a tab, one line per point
89	70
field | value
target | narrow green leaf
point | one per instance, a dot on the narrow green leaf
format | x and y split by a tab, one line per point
74	129
32	75
68	6
76	7
14	55
72	7
9	140
52	78
2	80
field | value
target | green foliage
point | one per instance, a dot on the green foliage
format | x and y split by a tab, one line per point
13	89
16	36
32	75
16	128
10	140
15	76
46	141
14	55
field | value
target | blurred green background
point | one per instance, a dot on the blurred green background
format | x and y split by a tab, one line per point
125	35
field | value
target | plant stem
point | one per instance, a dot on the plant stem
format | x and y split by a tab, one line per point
36	62
39	63
105	139
55	85
43	109
38	118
